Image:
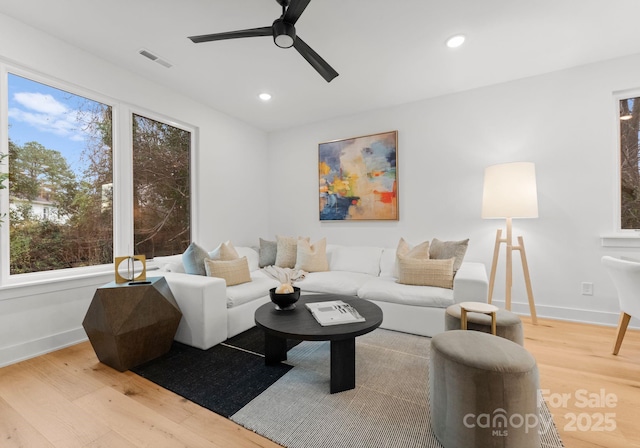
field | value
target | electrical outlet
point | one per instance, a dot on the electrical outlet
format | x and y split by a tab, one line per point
587	288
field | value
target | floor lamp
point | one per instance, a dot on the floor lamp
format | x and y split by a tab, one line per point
510	192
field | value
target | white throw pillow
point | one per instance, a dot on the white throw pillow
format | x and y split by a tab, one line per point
388	263
312	257
252	256
365	259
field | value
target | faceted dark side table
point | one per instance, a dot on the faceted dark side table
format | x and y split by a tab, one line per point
129	324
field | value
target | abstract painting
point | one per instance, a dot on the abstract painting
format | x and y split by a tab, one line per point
358	178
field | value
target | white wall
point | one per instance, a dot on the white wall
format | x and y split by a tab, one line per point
231	159
564	122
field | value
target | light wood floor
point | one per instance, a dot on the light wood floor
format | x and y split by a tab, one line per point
68	399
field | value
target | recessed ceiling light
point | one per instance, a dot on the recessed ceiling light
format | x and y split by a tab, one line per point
264	96
455	41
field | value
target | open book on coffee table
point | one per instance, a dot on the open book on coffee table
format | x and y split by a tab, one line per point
334	312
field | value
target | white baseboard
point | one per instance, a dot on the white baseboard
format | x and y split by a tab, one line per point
569	314
31	349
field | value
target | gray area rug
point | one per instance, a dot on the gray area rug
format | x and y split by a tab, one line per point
388	408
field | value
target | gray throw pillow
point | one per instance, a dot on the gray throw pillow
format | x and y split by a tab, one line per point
267	253
443	250
193	259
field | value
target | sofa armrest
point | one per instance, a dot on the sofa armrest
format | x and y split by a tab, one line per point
203	302
470	283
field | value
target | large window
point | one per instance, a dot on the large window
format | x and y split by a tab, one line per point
160	187
629	163
60	160
74	182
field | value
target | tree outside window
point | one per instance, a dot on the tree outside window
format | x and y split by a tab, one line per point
161	187
60	156
629	163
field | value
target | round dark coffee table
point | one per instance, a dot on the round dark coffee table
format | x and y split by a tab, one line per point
299	324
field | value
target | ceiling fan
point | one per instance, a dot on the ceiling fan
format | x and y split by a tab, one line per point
284	35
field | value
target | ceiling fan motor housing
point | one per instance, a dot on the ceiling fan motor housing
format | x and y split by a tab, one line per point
284	33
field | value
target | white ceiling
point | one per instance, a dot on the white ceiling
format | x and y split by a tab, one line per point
387	52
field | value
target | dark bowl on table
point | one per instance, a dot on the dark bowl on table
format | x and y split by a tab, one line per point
285	301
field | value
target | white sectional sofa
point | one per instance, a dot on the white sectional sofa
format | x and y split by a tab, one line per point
213	312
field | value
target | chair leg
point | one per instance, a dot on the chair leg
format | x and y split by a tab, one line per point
622	329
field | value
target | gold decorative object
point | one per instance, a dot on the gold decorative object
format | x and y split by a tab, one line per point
131	273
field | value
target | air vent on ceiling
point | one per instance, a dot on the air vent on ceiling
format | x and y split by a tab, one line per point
155	58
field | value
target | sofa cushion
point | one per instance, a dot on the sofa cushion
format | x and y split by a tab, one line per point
268	250
442	250
386	289
193	259
162	262
312	257
388	263
335	282
233	272
421	272
252	256
177	266
257	288
362	259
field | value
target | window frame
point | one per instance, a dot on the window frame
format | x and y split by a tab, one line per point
617	97
122	123
192	165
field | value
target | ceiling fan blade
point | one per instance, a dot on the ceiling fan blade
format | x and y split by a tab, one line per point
313	58
295	10
253	32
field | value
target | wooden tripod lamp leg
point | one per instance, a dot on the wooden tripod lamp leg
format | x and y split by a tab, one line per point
509	265
525	268
494	264
527	280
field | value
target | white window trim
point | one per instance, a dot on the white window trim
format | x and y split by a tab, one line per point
619	237
122	132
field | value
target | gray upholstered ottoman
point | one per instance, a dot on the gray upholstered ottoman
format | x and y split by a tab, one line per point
508	324
483	391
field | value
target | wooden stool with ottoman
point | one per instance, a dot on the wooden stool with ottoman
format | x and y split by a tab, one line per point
508	324
483	392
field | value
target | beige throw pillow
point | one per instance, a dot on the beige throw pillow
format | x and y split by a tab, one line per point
312	257
228	252
225	251
421	251
234	272
447	249
287	248
425	272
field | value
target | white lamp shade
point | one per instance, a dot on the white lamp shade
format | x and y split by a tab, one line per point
510	191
